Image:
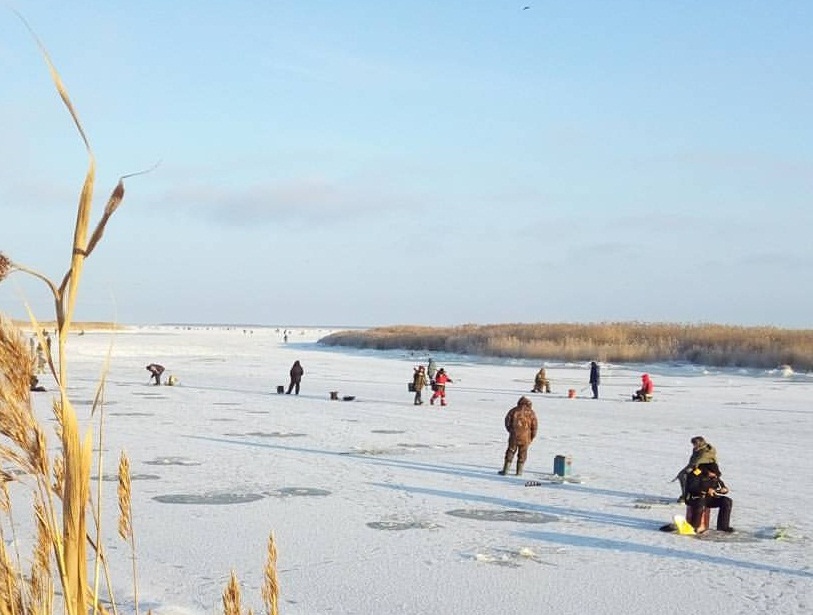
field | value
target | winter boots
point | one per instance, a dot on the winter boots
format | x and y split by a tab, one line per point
505	468
519	468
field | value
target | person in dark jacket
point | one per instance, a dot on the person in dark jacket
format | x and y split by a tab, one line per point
296	378
706	489
595	378
155	372
521	425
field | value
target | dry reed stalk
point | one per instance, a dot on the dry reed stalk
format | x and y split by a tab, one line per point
126	517
42	585
231	597
270	589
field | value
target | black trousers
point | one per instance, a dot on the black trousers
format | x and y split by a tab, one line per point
595	390
719	501
294	386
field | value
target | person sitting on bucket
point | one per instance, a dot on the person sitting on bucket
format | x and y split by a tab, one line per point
645	392
541	382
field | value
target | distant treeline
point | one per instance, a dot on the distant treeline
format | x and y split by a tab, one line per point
703	344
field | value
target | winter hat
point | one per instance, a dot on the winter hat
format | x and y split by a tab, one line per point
524	401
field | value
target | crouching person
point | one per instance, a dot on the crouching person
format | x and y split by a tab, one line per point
646	390
521	425
707	490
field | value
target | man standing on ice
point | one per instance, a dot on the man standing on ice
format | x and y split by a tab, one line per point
296	378
521	425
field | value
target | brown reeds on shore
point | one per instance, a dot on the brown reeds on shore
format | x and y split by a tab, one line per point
615	342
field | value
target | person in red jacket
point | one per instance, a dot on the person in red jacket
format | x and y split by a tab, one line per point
441	378
645	392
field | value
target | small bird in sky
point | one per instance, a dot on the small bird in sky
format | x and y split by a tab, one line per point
525	8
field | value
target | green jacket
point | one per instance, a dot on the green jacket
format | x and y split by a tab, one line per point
705	454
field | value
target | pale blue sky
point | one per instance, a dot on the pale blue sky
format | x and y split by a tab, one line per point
444	162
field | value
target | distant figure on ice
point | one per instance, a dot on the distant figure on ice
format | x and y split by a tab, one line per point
35	384
431	369
595	378
41	361
705	489
155	372
521	425
296	378
418	383
702	453
285	337
645	392
439	387
541	382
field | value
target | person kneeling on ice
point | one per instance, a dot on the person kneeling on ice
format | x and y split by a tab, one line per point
646	390
441	378
705	489
521	425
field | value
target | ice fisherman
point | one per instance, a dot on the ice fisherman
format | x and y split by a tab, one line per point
646	390
296	373
431	369
521	425
595	378
706	489
419	383
155	372
702	452
541	382
439	388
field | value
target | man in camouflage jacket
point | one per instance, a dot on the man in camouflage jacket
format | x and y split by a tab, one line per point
521	425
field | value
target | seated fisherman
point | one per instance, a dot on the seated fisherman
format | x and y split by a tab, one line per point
705	489
646	390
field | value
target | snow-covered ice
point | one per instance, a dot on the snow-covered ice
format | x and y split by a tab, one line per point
382	507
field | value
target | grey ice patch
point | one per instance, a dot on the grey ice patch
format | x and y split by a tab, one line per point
519	516
268	434
367	451
114	478
390	431
214	499
172	461
226	403
132	414
715	536
645	502
414	445
299	491
402	525
89	402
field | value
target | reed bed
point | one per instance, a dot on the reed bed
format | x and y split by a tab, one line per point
616	342
63	574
